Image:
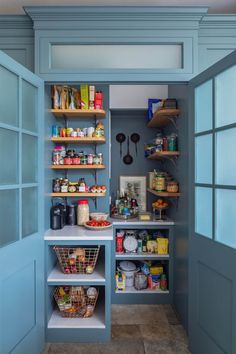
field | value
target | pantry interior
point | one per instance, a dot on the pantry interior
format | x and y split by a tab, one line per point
126	112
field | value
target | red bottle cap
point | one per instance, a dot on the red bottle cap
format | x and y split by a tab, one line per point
83	201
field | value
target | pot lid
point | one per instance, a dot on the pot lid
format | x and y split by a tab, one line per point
127	266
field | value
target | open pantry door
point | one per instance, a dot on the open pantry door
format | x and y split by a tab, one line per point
21	210
212	255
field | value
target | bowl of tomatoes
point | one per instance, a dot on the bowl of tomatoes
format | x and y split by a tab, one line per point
98	224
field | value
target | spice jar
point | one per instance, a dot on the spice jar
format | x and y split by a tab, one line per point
56	185
84	160
96	160
172	187
82	212
76	160
64	186
67	160
160	182
100	158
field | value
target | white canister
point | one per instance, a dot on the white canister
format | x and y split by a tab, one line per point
90	131
82	212
150	179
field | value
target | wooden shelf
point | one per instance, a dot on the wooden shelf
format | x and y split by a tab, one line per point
163	194
85	140
75	167
163	154
78	113
162	117
132	290
77	194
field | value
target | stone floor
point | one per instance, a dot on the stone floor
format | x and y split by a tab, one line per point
136	329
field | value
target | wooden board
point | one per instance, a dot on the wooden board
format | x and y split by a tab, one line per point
75	167
163	194
85	140
162	117
78	113
77	194
162	154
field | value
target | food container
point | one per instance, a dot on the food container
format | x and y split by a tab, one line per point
119	242
172	142
162	245
75	160
160	182
82	212
172	187
98	216
128	269
145	216
67	160
140	281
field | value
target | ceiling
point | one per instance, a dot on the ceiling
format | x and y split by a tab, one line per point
215	6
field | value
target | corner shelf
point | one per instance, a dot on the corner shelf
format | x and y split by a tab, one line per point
163	117
78	113
75	167
143	255
163	194
163	154
85	140
93	195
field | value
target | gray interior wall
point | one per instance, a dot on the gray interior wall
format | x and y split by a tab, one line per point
128	122
181	229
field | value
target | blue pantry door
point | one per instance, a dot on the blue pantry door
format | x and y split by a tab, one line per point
212	254
21	210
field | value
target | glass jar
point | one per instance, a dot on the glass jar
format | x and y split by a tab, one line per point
96	160
56	185
172	187
64	186
100	158
90	159
84	160
82	212
172	142
67	160
75	160
160	182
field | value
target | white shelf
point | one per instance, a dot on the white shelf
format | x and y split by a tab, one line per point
78	233
56	276
141	256
132	290
136	222
97	321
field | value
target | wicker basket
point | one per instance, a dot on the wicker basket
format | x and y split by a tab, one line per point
76	301
80	260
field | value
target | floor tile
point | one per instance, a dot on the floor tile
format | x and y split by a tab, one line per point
157	332
138	314
179	334
171	315
46	348
117	347
125	332
160	347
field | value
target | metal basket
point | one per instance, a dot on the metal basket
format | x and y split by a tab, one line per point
79	260
73	301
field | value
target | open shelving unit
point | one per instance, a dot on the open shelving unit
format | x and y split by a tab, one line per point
163	194
163	117
78	113
93	195
163	154
85	140
132	290
77	167
141	256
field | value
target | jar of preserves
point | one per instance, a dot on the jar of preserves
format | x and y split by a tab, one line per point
96	160
90	159
100	158
75	160
72	187
82	212
84	160
160	182
172	187
56	185
64	186
67	160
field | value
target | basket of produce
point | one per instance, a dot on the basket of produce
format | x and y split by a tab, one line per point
76	301
80	260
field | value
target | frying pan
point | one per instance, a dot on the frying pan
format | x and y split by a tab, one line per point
135	137
120	138
128	159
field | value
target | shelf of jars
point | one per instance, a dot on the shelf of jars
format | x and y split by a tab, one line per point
79	194
78	113
142	255
132	290
163	194
163	117
74	167
79	140
163	154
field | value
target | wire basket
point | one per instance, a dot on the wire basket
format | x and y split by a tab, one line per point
76	301
79	260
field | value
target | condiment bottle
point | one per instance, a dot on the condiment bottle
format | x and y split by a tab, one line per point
82	212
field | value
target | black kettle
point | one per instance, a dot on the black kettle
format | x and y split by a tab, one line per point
58	215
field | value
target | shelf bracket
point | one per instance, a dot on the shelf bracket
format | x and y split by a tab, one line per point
173	159
94	199
173	121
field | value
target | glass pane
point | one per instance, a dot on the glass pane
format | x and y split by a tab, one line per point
125	56
225	217
203	159
225	97
9	216
29	99
203	211
8	156
226	157
29	159
8	97
29	211
203	107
